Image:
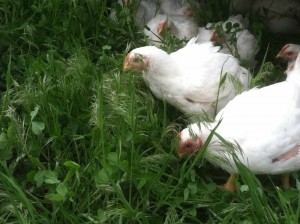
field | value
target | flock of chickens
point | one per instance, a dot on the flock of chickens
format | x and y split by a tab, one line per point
257	127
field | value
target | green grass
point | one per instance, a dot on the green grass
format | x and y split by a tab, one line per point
83	142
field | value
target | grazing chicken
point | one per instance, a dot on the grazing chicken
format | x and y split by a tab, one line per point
289	54
262	126
197	79
180	26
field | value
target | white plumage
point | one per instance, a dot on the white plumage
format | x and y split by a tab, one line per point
264	122
176	7
189	78
180	26
204	35
246	46
243	46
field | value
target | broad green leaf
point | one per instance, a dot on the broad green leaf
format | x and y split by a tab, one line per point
186	193
193	188
51	178
106	47
124	165
61	189
11	132
193	175
34	112
228	27
6	154
3	140
113	157
193	212
69	175
39	177
102	176
55	197
38	127
72	165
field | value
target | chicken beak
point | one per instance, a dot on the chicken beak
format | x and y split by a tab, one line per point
189	12
215	38
282	52
126	68
127	65
162	26
279	55
180	155
189	147
135	62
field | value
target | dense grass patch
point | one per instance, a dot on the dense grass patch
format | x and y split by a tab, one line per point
83	142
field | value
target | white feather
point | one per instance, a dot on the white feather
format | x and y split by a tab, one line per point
189	78
264	122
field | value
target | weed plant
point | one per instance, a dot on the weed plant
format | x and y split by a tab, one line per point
83	142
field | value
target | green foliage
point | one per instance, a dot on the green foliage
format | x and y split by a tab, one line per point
83	142
216	10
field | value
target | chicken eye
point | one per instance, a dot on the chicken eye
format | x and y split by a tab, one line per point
138	58
189	147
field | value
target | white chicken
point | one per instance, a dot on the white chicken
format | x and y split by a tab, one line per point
263	127
197	79
205	34
281	16
238	41
239	19
146	10
176	7
180	26
289	54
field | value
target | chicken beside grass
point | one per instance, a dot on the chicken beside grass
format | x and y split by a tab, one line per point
181	27
197	79
259	128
